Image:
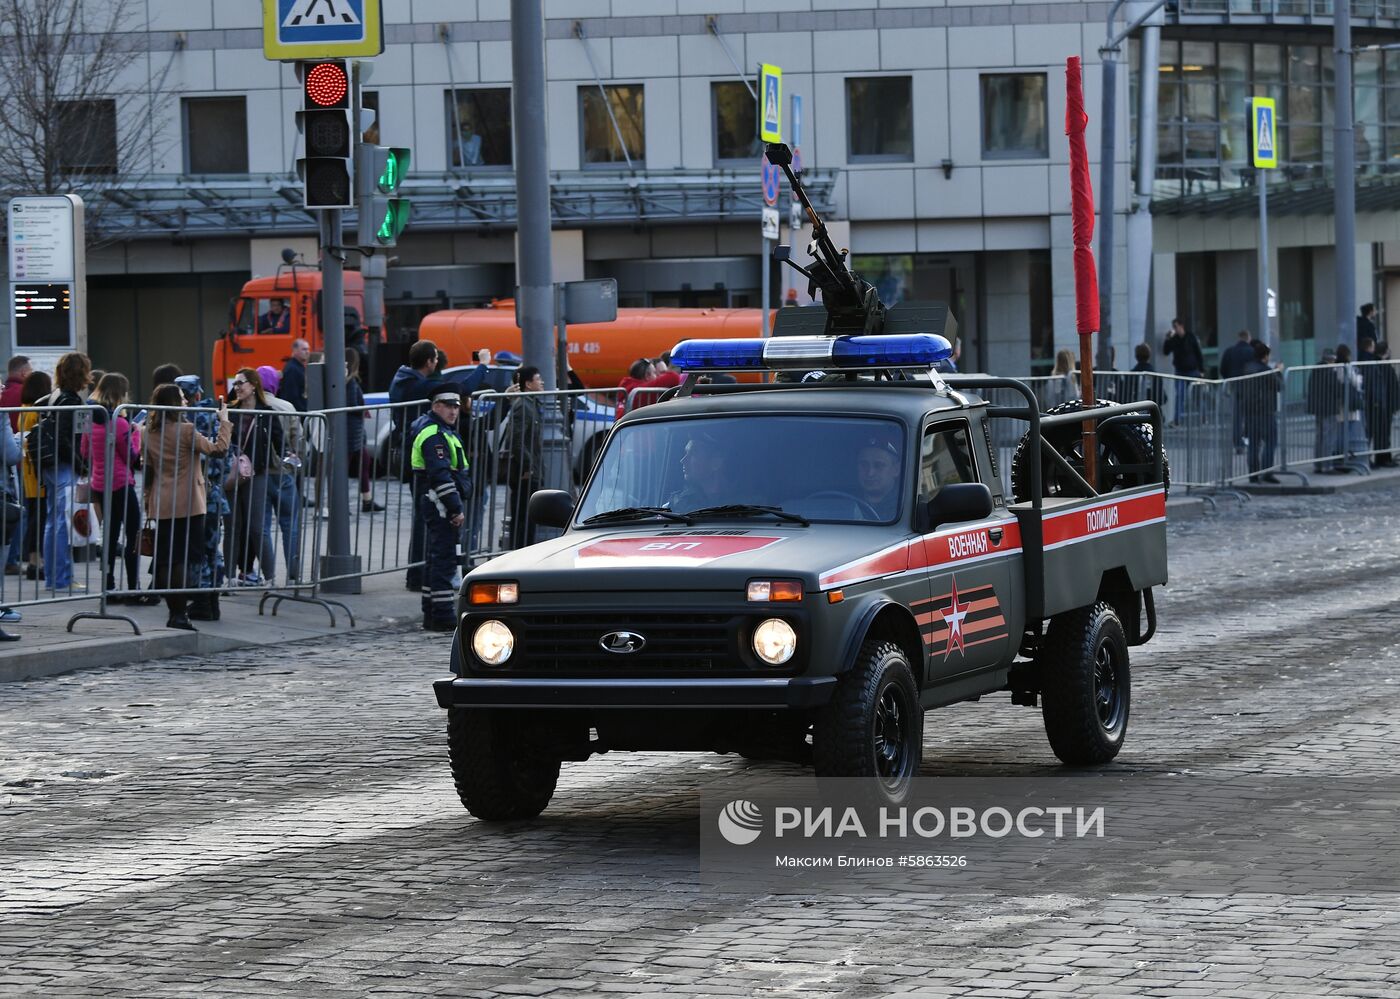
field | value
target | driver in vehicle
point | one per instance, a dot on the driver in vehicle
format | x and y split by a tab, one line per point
276	319
708	478
877	472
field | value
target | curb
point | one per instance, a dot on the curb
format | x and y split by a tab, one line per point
1181	508
1324	485
91	652
18	663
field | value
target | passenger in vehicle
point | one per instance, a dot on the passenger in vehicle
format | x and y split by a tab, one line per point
877	472
709	479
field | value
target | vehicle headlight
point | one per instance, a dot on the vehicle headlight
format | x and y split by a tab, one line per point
774	641
493	642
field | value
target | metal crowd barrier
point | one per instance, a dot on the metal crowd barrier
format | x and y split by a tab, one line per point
132	541
1340	418
49	530
256	533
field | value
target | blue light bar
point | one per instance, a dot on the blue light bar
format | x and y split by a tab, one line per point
717	355
912	350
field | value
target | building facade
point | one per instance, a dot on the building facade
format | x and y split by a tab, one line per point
932	133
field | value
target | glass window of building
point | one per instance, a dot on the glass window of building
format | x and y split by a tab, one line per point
479	132
880	118
1203	90
1014	116
88	137
216	134
602	142
736	123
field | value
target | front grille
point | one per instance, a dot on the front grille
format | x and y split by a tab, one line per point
677	644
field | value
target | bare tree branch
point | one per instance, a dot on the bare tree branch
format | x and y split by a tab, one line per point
66	68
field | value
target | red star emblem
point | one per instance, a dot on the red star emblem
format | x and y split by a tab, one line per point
953	618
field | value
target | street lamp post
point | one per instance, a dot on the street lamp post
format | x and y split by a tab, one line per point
1344	177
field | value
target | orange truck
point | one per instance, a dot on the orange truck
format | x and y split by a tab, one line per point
271	312
600	353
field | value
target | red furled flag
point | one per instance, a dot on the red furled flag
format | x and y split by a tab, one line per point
1086	278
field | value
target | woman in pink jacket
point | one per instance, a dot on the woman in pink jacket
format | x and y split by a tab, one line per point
124	518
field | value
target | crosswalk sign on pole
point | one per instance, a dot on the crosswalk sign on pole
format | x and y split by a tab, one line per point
1264	133
770	103
322	29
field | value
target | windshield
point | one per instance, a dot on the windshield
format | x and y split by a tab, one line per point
822	468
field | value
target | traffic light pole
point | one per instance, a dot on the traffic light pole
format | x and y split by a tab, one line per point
337	561
536	300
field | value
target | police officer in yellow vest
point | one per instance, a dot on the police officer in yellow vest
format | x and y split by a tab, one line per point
439	462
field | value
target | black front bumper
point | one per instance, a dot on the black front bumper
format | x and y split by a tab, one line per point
731	692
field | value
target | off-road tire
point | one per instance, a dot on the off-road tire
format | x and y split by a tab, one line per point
851	736
500	777
1120	445
1085	712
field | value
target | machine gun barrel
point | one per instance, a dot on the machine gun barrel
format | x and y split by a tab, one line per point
840	288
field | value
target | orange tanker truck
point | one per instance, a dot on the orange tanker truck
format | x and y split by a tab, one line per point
271	312
600	353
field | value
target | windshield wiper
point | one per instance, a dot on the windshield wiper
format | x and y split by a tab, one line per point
749	510
636	513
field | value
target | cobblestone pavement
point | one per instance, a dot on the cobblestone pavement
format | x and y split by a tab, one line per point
282	822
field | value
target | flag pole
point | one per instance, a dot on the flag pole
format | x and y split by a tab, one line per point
1086	281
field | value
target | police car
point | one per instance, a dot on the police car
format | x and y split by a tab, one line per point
800	569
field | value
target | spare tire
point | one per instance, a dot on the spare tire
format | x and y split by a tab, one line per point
1124	457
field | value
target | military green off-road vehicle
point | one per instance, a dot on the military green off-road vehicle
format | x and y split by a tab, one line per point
799	568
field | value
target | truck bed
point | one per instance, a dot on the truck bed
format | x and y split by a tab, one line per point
1077	541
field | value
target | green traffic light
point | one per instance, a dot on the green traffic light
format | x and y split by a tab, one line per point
389	180
393	223
396	160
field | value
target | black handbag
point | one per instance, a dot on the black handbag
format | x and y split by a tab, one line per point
12	513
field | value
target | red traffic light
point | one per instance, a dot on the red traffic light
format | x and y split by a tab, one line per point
327	84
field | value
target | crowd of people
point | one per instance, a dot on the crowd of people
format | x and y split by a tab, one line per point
191	482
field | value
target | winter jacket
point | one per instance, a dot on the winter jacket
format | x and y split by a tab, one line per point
10	398
127	450
1185	352
1235	359
258	434
291	433
1260	392
407	386
292	387
174	478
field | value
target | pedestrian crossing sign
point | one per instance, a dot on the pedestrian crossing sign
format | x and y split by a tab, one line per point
770	103
1264	134
322	29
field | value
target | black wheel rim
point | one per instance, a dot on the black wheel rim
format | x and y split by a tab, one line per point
894	720
1110	700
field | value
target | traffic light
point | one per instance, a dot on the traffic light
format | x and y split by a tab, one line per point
325	121
379	170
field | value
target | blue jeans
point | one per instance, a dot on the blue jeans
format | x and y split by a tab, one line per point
58	551
282	499
1182	388
12	552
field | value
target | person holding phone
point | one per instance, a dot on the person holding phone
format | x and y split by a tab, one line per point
176	493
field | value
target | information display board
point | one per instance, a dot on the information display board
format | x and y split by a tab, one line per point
48	278
43	315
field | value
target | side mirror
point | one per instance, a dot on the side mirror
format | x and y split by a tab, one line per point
958	502
550	508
